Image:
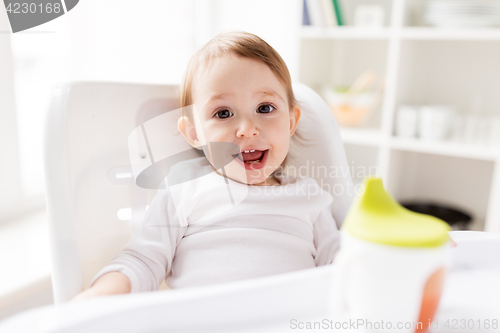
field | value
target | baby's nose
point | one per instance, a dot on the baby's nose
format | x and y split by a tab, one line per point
247	128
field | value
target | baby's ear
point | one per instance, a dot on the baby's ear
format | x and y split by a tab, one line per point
188	130
294	118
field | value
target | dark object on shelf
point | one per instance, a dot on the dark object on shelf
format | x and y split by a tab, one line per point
457	219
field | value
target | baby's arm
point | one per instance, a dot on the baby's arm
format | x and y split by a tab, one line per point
326	237
108	284
142	264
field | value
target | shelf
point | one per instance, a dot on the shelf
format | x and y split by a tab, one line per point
447	148
407	33
344	32
453	181
374	138
420	65
364	137
430	33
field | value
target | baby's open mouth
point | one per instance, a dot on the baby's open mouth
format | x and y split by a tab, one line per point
251	156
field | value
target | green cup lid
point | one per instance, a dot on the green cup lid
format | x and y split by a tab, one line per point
375	216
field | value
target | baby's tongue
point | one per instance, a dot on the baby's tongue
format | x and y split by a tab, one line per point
256	155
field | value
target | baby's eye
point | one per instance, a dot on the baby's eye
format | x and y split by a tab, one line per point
265	108
223	114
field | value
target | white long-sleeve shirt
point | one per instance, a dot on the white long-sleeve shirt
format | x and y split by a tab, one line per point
213	230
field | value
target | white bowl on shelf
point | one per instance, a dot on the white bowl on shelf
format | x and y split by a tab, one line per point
462	14
351	110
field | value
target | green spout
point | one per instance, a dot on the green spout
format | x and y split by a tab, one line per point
375	216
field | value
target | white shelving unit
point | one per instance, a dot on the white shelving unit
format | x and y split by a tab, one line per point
419	65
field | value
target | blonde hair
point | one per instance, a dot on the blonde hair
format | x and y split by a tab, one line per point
239	43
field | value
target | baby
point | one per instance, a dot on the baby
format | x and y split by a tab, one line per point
241	219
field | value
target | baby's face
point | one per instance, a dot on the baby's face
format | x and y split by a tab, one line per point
240	101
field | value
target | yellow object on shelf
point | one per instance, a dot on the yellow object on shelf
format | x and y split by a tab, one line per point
350	115
353	106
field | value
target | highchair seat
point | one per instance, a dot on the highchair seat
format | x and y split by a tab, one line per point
92	198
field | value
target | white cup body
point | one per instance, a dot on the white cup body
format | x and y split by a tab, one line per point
382	283
434	122
406	121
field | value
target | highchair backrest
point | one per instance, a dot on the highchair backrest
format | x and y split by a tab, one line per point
93	200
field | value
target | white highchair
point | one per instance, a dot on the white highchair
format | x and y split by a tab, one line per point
93	202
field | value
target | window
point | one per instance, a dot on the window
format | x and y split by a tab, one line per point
148	42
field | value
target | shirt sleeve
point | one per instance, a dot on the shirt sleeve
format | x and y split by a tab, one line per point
326	237
147	258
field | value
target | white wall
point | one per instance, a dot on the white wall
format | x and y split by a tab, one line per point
124	40
275	21
115	40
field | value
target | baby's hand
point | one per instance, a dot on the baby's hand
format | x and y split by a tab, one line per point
109	284
86	294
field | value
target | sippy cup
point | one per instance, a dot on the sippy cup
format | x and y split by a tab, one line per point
389	273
